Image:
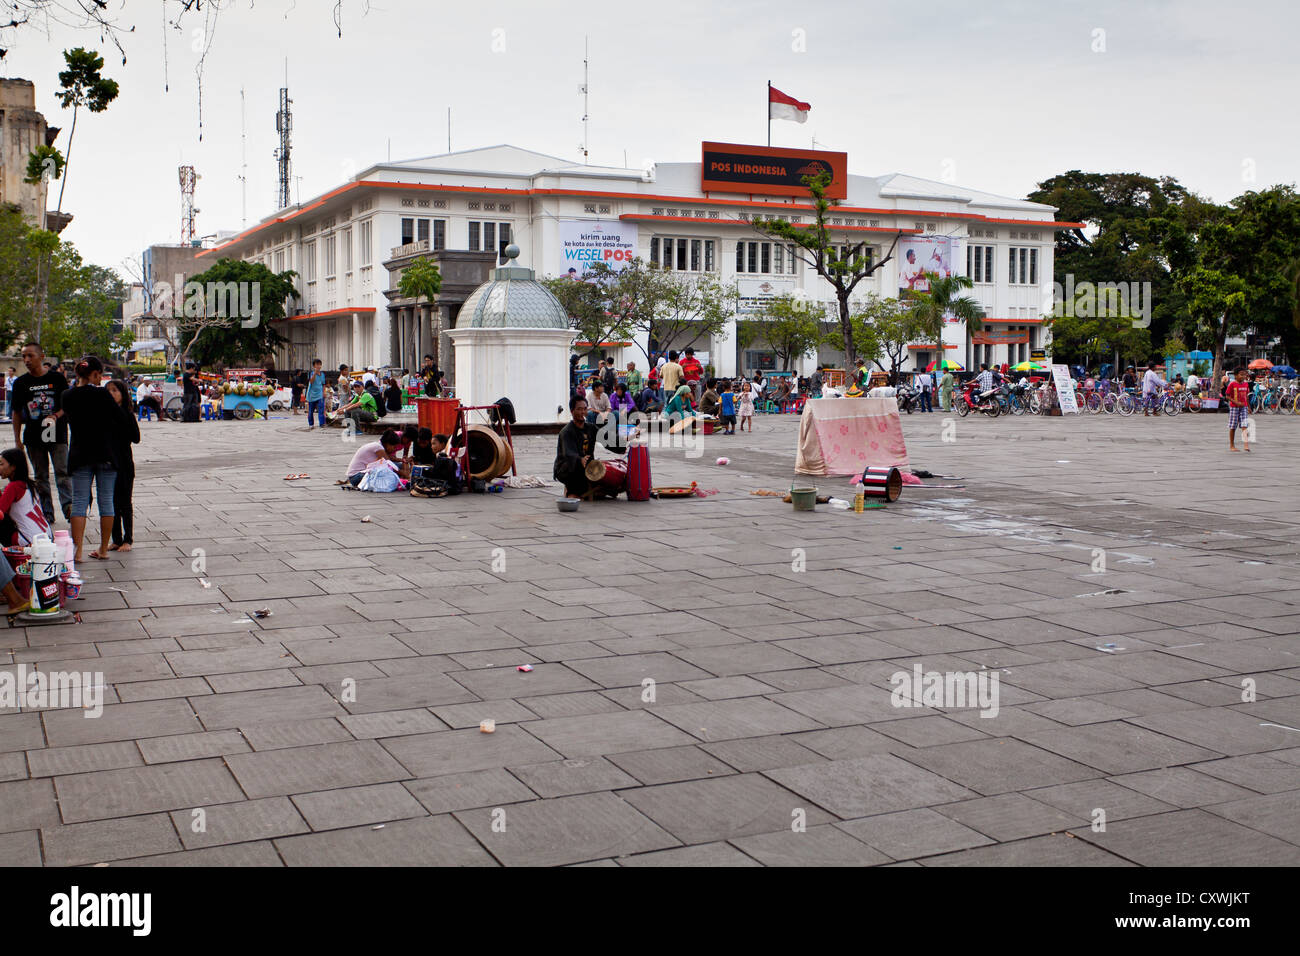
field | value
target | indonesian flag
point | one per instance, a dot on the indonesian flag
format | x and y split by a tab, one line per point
781	106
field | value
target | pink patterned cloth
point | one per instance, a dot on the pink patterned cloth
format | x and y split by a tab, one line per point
841	436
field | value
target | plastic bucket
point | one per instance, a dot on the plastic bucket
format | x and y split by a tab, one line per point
803	499
17	558
437	414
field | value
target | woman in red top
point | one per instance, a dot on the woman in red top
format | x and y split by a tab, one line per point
21	518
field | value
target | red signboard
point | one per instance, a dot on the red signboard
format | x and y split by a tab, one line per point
770	170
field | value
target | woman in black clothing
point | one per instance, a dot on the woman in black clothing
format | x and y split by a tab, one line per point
97	424
124	487
393	395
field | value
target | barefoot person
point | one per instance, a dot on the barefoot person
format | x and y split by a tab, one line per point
1238	395
124	487
95	421
575	447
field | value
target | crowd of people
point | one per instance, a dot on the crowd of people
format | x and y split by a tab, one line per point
72	440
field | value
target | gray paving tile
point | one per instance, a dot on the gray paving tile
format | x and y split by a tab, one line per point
61	760
1161	840
729	719
565	830
430	841
20	849
817	846
877	783
261	853
461	791
999	766
909	834
705	854
598	734
762	753
245	708
169	786
670	764
1277	814
238	822
106	840
356	806
701	811
460	751
1053	850
320	767
562	778
1117	747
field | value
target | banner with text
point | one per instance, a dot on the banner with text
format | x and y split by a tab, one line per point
584	242
1064	389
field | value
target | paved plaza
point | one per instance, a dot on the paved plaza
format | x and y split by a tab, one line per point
711	677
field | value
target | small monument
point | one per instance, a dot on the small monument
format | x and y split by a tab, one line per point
512	340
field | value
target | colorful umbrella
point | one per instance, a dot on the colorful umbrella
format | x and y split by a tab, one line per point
1260	363
1029	367
1286	371
945	364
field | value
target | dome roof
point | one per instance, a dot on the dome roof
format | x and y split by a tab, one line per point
512	299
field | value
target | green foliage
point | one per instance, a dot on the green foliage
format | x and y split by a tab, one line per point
420	279
1175	344
1095	333
82	83
589	302
944	299
213	337
791	326
670	306
44	163
18	261
886	327
843	263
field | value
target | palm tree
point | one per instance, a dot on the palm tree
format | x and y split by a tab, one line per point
943	299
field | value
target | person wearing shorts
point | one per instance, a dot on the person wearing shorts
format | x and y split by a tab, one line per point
1238	395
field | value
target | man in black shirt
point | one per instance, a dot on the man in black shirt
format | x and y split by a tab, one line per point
430	376
38	397
576	446
191	398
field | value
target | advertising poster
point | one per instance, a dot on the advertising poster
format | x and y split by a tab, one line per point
918	255
584	242
1064	389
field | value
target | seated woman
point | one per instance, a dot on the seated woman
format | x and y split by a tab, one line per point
680	405
574	449
393	396
783	394
20	513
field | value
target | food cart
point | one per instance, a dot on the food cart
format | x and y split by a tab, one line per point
170	395
246	394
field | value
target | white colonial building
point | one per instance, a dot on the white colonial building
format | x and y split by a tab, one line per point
349	245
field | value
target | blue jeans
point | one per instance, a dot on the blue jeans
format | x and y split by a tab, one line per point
104	477
317	406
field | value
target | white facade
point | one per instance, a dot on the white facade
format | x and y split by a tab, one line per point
338	242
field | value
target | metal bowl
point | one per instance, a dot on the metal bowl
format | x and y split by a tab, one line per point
567	504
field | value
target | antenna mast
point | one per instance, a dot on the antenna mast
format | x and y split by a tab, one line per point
243	160
284	126
584	89
188	178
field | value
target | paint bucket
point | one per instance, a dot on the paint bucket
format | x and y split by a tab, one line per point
19	559
803	499
882	482
47	591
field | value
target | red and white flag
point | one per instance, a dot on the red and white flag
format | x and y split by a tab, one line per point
781	106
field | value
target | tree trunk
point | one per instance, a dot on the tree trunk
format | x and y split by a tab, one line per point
1220	341
846	329
63	182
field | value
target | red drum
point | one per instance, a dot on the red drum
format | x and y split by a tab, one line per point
609	476
638	472
882	482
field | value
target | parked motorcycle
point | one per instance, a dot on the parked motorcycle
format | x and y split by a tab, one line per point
971	399
908	399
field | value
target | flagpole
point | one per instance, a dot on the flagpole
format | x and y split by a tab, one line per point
769	112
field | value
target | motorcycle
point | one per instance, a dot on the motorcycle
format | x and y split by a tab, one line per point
971	399
908	400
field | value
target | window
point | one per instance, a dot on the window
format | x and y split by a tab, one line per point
440	234
347	250
489	237
682	255
363	242
979	263
309	261
422	230
1022	267
329	256
279	261
408	231
765	258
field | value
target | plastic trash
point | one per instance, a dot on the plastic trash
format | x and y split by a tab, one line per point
524	667
724	461
488	726
839	504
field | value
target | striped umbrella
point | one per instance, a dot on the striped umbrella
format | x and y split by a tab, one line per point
1029	367
945	365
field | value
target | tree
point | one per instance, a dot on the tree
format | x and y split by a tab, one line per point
1087	332
944	299
421	280
886	326
215	330
590	305
1236	268
83	306
670	306
82	85
843	264
17	276
790	327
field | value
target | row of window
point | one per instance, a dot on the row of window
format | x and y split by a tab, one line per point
1022	264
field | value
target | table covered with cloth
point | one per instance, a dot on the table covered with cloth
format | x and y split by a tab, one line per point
841	436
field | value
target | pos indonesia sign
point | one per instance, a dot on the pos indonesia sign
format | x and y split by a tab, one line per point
770	171
584	242
1064	389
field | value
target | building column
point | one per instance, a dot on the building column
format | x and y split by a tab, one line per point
722	350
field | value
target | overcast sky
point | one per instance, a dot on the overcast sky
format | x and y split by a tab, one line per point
999	94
